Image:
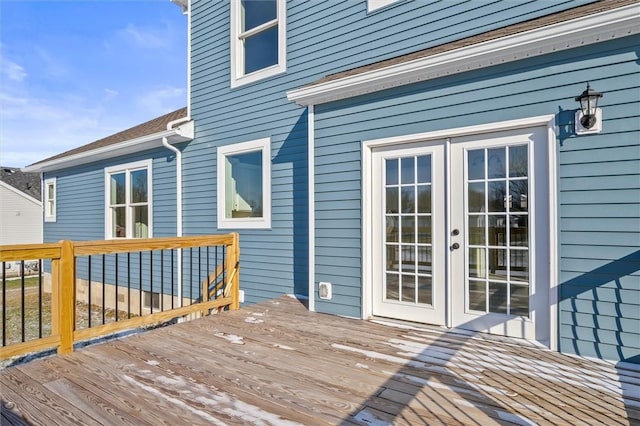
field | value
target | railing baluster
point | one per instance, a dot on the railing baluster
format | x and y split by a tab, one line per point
128	285
89	295
140	282
22	285
161	280
116	301
4	304
40	295
172	280
200	274
208	271
151	279
191	276
104	280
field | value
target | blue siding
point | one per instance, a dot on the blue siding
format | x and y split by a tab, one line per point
599	178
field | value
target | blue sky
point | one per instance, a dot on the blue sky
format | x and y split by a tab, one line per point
72	72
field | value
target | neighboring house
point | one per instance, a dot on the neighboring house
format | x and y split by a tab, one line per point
406	159
20	207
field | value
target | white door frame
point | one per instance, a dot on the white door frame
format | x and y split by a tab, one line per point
367	205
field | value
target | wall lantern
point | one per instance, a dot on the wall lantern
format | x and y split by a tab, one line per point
589	116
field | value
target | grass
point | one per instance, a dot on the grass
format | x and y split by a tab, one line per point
37	313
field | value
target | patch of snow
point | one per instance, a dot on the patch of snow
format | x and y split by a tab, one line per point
152	362
298	296
257	314
364	366
232	338
253	320
175	401
241	410
285	347
369	418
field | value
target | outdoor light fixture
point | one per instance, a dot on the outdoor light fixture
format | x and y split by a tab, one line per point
588	117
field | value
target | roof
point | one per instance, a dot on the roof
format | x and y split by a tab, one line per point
148	128
535	23
28	183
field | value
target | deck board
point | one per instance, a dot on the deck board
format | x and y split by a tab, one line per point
276	363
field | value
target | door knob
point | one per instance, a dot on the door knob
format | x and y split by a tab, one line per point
455	246
455	232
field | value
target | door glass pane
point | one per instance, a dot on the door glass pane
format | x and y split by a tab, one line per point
476	229
138	180
408	203
477	296
391	172
408	229
393	287
477	263
497	230
519	265
518	196
519	231
476	197
518	161
392	199
424	260
424	169
497	158
424	229
408	288
498	298
392	229
119	222
519	300
475	164
407	170
498	264
424	199
425	290
497	200
408	258
393	256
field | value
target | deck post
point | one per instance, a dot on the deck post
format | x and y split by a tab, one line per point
66	290
234	268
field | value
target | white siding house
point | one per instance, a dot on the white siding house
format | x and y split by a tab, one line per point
20	211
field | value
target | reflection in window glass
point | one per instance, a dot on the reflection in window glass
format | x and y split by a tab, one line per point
117	188
476	164
261	50
257	12
243	185
139	186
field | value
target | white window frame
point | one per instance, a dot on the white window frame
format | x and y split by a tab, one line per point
373	5
50	212
263	222
238	78
127	169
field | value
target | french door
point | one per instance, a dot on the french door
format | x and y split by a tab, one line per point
457	225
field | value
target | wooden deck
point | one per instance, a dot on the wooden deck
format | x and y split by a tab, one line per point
275	363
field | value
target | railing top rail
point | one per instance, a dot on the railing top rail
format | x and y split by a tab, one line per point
86	248
29	252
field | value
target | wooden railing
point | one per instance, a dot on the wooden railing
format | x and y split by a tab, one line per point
218	290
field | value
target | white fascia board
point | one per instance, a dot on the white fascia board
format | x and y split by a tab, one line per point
20	193
611	24
182	133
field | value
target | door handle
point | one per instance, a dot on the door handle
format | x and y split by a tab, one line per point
455	246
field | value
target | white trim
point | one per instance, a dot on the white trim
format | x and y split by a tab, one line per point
22	194
367	207
312	207
238	78
178	134
127	168
620	22
447	228
373	5
263	222
45	197
188	13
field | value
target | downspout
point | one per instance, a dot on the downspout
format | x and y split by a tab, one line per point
166	144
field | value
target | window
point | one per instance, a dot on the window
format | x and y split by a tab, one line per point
244	185
128	201
50	200
378	4
258	40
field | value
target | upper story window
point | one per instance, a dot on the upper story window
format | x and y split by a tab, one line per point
50	200
244	185
128	200
378	4
258	40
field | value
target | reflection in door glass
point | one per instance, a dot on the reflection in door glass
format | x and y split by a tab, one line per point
408	244
498	238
